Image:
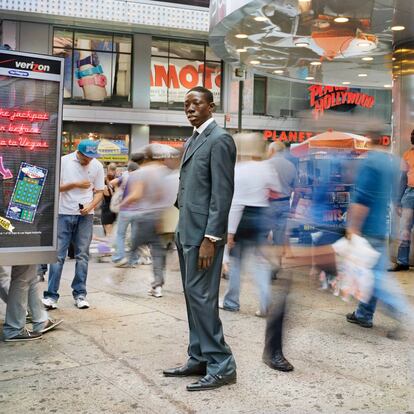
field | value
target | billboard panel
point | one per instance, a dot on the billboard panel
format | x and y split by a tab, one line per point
30	127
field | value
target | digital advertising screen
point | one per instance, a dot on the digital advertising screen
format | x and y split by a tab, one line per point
30	139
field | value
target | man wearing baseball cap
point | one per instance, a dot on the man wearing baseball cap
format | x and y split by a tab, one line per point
81	190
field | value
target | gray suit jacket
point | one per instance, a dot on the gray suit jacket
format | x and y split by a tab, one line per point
206	187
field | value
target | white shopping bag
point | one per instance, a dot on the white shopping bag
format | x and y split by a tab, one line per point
355	260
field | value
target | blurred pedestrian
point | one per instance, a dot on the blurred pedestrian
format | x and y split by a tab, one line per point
124	221
405	208
107	216
81	190
280	194
376	183
248	221
204	199
145	202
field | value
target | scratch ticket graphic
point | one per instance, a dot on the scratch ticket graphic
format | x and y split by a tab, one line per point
4	172
26	194
6	224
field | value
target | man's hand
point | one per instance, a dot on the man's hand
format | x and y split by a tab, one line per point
86	210
230	241
83	184
206	254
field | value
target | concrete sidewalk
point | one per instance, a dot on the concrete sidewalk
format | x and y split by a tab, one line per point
110	358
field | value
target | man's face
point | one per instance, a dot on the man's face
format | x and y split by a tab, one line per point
83	159
197	109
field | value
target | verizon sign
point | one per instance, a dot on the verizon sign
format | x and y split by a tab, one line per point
170	82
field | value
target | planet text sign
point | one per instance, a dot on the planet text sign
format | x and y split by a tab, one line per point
324	97
170	82
287	136
296	137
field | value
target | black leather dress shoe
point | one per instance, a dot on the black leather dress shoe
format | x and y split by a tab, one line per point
185	371
278	361
398	267
210	382
351	318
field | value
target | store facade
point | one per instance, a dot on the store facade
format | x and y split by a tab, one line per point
126	88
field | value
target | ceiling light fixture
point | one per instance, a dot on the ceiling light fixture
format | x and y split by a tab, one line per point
254	62
364	44
346	83
301	43
316	63
261	19
278	71
368	58
309	78
241	50
388	85
397	28
362	75
341	19
242	36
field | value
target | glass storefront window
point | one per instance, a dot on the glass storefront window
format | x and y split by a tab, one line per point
172	136
94	41
176	67
186	50
259	95
98	67
63	38
114	139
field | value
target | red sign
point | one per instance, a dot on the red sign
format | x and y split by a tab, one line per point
300	136
287	136
21	122
325	97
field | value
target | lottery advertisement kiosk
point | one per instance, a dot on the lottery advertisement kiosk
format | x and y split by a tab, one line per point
30	140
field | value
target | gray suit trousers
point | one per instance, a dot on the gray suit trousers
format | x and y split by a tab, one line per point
201	290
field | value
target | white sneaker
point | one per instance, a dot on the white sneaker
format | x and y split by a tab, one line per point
81	303
147	260
156	292
49	303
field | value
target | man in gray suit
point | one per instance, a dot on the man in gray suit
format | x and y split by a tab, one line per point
204	199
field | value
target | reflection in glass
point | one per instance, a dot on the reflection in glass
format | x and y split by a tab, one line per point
93	41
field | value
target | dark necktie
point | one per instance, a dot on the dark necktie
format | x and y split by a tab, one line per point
192	141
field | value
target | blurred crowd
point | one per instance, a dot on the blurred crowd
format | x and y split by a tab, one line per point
278	221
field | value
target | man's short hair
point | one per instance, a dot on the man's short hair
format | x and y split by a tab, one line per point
207	93
137	157
132	166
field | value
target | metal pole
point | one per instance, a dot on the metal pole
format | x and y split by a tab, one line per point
241	86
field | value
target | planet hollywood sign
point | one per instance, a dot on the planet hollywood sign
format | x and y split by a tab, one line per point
296	137
326	97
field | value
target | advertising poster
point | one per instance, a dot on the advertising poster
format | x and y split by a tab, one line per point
170	83
30	123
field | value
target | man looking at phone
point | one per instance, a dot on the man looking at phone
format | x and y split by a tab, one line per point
81	190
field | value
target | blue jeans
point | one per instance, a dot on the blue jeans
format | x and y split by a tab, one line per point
23	294
250	238
386	288
78	229
143	232
125	218
406	224
259	266
278	216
